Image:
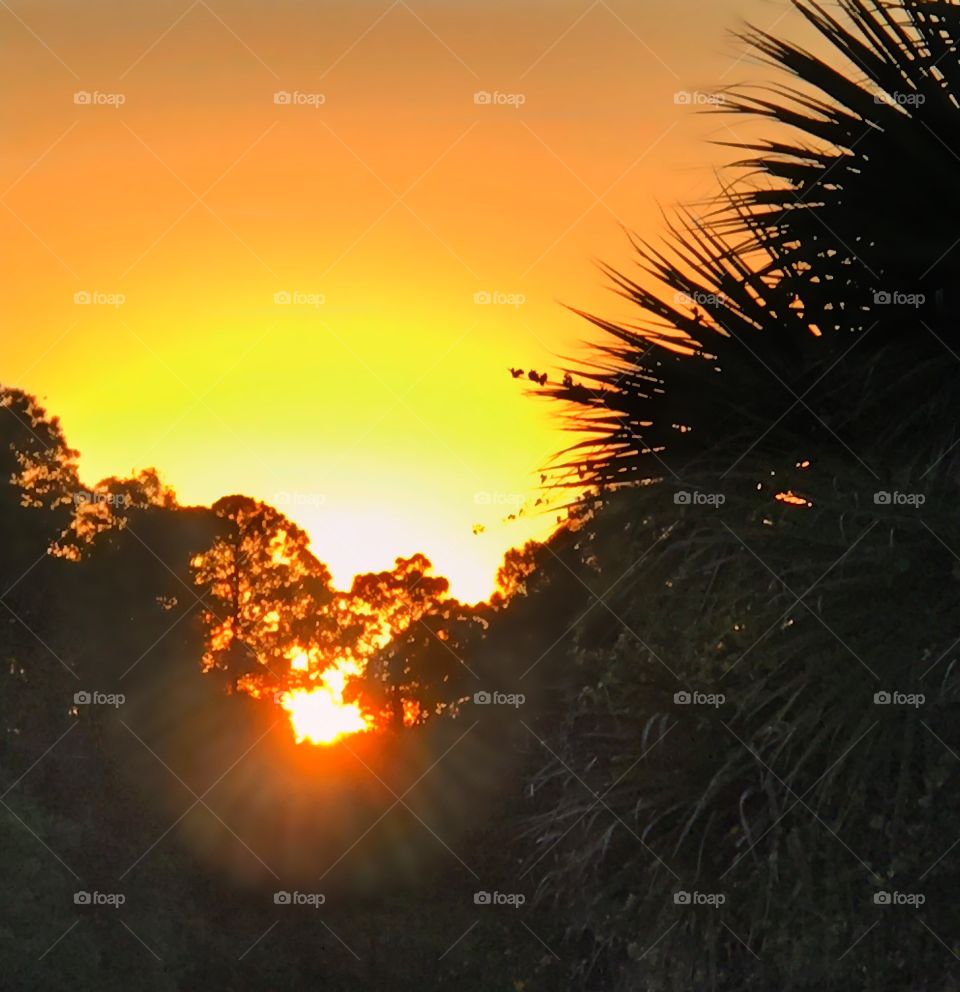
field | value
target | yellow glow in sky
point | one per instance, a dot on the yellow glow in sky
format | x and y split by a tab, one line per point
313	298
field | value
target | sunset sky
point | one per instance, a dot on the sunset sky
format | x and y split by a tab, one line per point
375	407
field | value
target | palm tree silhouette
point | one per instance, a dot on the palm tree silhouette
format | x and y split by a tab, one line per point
837	247
774	443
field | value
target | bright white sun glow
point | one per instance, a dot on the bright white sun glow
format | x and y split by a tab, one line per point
320	715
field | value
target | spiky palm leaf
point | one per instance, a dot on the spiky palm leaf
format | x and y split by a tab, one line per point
781	289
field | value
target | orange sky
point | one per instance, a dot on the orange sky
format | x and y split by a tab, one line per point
375	407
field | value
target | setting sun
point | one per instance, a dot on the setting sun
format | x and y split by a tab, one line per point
320	715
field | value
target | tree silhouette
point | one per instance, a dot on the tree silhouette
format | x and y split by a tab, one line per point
799	269
789	368
38	469
397	609
265	591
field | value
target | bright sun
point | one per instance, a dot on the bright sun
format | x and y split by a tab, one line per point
320	715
